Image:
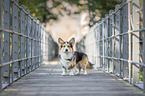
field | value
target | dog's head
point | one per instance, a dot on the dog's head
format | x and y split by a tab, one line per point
66	46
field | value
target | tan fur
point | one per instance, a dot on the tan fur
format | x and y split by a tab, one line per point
82	64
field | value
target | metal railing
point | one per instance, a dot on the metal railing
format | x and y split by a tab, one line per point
24	42
117	42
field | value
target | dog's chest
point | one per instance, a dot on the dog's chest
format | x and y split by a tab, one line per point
64	60
66	64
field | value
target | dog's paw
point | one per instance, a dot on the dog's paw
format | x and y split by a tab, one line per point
63	74
95	68
77	73
85	73
71	74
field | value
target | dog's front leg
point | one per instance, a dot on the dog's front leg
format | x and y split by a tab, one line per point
71	72
64	71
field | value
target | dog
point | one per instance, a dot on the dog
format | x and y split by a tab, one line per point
71	60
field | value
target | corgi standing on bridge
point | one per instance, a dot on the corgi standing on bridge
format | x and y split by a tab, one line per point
71	60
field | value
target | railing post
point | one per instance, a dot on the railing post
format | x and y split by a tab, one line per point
22	45
6	50
125	39
27	44
37	45
111	33
30	46
32	43
97	47
120	43
135	41
42	41
144	45
103	43
1	45
129	39
106	39
116	38
15	40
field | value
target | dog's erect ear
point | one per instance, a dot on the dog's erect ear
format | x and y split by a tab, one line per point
60	41
72	41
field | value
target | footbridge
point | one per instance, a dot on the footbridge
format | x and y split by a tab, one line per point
116	44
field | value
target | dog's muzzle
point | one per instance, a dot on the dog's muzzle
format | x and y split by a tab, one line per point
66	50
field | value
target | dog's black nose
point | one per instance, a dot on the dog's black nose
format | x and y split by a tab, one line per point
66	50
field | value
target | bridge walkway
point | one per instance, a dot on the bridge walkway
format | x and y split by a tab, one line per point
47	81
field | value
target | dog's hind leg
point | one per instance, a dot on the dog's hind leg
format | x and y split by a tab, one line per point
78	71
85	70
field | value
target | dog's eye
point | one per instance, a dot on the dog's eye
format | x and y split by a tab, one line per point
63	46
68	46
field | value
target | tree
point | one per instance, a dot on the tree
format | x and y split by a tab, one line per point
46	10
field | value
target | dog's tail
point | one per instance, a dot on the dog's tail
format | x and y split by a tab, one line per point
91	66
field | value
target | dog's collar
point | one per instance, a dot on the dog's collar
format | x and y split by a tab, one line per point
69	59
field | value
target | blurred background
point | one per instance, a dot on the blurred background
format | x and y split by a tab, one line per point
69	18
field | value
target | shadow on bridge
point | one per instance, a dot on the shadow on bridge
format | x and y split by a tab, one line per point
47	81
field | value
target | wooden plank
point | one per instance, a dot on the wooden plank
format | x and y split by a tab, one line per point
15	40
6	57
52	83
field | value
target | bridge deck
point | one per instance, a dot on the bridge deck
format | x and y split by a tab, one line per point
47	81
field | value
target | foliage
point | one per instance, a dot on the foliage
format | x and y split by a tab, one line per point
45	10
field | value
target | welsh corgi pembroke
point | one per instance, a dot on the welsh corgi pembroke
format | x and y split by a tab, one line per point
71	60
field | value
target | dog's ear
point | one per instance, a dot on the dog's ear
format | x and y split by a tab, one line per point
72	41
60	41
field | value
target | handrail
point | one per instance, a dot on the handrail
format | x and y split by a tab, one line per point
24	42
114	42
